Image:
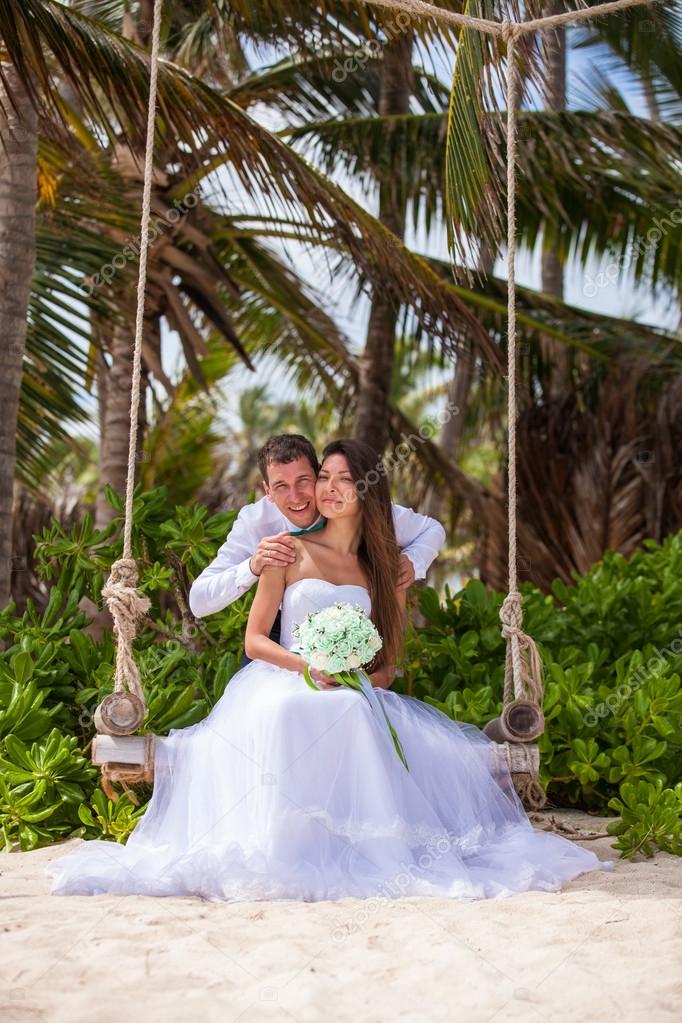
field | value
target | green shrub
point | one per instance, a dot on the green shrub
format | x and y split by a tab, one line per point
612	652
106	819
53	674
611	645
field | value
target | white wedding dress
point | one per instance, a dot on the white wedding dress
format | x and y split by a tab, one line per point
282	792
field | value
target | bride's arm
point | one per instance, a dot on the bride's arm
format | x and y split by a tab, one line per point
383	678
257	644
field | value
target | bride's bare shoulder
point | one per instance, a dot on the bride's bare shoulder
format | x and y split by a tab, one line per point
297	568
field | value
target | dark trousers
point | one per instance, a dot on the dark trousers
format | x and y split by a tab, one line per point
275	634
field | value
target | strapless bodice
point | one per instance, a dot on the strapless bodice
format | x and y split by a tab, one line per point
308	595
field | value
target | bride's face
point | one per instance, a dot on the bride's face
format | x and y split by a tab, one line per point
335	493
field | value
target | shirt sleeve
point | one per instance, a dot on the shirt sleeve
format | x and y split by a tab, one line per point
228	576
419	536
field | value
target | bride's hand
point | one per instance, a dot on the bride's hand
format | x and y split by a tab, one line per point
322	680
383	678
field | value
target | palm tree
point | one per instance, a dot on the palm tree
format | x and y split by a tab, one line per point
409	142
17	255
625	341
559	152
46	41
95	65
376	365
552	270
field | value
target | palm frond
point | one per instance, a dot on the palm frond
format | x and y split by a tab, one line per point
466	172
601	337
308	86
594	183
344	81
406	149
472	197
299	23
646	42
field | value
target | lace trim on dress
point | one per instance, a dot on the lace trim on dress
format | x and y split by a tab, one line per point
414	835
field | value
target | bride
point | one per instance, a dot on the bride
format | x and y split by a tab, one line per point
282	792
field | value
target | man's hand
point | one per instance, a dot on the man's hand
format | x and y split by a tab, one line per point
279	549
406	572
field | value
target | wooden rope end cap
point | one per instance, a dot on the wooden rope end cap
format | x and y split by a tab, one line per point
520	721
119	714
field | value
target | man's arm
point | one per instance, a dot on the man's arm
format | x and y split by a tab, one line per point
419	536
228	576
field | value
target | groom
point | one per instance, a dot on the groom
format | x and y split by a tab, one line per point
261	533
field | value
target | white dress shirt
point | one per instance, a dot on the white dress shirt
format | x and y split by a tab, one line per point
229	576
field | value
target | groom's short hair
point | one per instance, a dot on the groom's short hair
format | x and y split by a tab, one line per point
286	447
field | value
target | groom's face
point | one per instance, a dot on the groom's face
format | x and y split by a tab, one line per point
291	486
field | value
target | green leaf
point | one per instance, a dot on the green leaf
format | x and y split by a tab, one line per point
22	667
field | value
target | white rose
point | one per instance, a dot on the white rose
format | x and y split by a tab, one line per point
353	661
319	661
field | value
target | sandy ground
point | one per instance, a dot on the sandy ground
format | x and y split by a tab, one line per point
608	947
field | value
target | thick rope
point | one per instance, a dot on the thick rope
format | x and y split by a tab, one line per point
554	20
126	604
531	793
420	9
511	614
426	10
523	665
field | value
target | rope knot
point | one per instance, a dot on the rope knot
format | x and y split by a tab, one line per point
511	30
123	573
511	615
127	606
523	666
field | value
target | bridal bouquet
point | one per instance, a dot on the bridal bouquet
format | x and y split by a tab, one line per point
339	640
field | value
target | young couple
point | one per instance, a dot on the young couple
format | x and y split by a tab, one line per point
333	522
282	792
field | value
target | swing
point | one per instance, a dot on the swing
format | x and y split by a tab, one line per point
127	758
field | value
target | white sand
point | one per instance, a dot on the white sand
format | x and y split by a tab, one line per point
608	947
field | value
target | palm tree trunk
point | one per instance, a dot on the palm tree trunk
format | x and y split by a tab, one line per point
459	390
654	109
552	267
114	393
376	365
18	184
145	22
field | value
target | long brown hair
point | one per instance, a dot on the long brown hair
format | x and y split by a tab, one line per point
378	552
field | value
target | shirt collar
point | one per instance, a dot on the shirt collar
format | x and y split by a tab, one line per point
293	527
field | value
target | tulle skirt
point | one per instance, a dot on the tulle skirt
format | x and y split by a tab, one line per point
282	792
